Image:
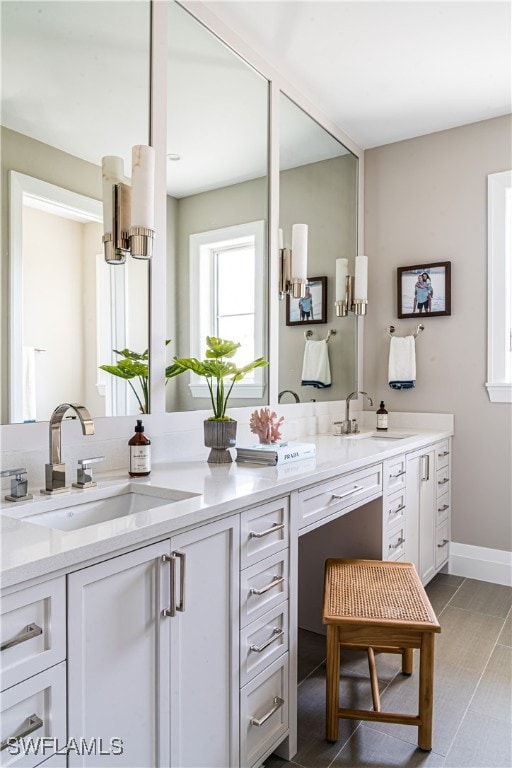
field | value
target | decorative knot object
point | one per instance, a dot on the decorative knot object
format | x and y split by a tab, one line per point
266	423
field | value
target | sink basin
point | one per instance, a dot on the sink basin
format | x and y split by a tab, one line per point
388	435
80	511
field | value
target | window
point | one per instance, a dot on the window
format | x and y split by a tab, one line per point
499	344
227	269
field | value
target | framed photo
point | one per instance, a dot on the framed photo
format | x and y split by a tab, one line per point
424	289
312	308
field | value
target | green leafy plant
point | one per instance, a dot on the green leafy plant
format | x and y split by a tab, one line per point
215	369
134	365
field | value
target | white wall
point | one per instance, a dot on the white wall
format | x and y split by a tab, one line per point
426	201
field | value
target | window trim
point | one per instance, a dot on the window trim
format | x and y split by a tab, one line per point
214	238
499	289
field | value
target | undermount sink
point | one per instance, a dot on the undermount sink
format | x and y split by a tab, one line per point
387	435
78	511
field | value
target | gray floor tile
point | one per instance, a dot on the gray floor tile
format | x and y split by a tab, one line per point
467	638
449	579
371	749
440	593
481	596
493	696
311	652
277	762
505	637
481	743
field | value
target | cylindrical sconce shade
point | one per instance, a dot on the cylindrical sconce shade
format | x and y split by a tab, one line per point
143	186
361	279
112	171
300	251
341	276
280	239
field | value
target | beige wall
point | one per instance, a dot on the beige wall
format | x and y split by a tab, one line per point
426	201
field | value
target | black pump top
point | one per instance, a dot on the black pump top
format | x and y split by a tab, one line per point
381	405
139	427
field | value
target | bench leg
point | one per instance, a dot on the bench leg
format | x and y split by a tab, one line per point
332	683
426	692
407	661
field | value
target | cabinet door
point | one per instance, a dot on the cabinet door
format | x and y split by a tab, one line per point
420	516
204	647
118	667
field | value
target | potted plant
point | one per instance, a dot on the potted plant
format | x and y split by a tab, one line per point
219	429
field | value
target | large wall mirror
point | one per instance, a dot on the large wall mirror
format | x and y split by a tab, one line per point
75	87
217	207
318	183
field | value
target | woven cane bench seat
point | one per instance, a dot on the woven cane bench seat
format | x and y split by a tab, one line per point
379	606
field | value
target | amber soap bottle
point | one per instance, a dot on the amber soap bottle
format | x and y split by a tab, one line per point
140	452
382	417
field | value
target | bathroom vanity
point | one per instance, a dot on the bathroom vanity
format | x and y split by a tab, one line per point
169	636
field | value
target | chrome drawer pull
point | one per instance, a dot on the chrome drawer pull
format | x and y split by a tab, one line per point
444	481
399	474
277	703
443	508
172	610
33	723
276	581
276	634
445	542
275	527
442	455
398	543
183	557
397	510
30	631
355	489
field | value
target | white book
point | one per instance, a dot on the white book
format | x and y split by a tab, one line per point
277	453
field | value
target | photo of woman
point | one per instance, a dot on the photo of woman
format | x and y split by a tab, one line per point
312	307
424	290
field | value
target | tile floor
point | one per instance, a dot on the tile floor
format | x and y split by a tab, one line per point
473	691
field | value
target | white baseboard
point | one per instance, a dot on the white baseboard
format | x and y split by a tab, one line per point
494	565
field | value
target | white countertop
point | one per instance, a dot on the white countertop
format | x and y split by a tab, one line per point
29	550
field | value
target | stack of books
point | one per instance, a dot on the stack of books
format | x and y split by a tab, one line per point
275	453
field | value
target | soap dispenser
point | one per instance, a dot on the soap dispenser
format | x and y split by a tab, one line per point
140	452
382	417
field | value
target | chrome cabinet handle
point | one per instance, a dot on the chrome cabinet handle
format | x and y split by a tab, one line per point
399	474
443	481
355	489
445	542
393	512
425	475
443	508
276	634
183	564
275	527
30	631
276	581
277	703
398	543
33	723
172	581
442	455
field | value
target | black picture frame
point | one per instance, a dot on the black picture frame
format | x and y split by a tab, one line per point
424	297
318	289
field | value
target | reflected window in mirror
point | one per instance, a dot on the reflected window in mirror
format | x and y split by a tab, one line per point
54	133
217	206
318	185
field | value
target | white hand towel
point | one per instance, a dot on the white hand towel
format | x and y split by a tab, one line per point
29	384
316	371
402	362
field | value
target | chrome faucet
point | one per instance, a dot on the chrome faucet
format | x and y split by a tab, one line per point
289	392
55	471
347	427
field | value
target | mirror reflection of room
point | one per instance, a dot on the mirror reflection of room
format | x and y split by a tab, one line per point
68	310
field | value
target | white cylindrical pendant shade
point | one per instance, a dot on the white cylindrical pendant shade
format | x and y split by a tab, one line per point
300	251
341	275
280	240
361	279
112	171
143	186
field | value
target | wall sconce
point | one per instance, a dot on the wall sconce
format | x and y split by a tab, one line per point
293	263
351	292
128	211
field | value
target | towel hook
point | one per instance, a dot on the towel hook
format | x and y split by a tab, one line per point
391	329
331	332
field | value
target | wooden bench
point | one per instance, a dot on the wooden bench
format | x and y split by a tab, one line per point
378	606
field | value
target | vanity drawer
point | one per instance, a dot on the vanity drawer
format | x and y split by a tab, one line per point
32	710
264	530
442	454
442	508
263	586
395	547
442	481
394	510
327	499
394	474
263	712
262	642
33	630
442	543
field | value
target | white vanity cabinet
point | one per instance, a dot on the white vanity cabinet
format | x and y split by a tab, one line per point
152	661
